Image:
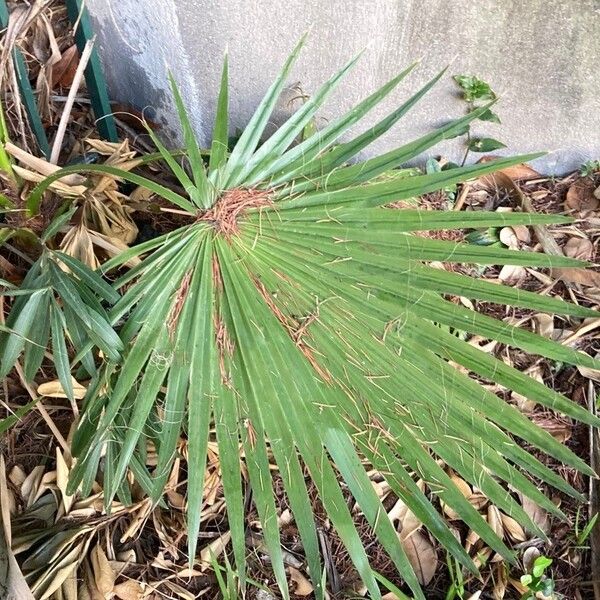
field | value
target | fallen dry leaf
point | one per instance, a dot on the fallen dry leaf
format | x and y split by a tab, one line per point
12	582
214	550
587	277
407	521
512	528
518	586
523	233
544	325
512	274
521	171
580	196
54	389
478	500
559	430
509	238
500	581
63	71
421	555
590	373
129	590
580	248
536	513
495	521
464	489
303	586
104	576
529	557
62	478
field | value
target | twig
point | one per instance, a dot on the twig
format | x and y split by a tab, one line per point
464	192
40	407
64	118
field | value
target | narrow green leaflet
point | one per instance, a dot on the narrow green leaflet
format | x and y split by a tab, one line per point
218	148
202	195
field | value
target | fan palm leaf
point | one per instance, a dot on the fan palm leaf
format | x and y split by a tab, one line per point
299	316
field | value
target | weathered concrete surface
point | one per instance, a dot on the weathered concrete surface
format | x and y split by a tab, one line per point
540	55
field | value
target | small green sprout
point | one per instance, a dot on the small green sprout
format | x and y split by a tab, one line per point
537	580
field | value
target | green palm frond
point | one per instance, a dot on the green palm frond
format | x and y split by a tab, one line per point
59	300
298	316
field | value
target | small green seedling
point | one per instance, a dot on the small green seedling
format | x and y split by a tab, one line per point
537	580
474	89
590	168
477	93
581	535
457	587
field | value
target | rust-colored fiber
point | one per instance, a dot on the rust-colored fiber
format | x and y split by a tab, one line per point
294	330
216	275
225	348
177	307
231	205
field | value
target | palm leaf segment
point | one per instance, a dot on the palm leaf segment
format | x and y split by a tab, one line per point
295	317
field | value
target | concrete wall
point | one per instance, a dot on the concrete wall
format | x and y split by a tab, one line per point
540	55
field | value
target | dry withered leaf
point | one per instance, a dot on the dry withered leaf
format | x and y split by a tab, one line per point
536	513
129	590
62	478
580	248
590	373
54	389
68	590
63	71
522	232
511	274
471	540
522	171
478	500
464	488
544	325
302	586
181	592
512	528
518	586
587	277
214	549
509	238
495	521
12	582
104	576
500	581
580	196
30	489
558	429
421	555
407	521
529	557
